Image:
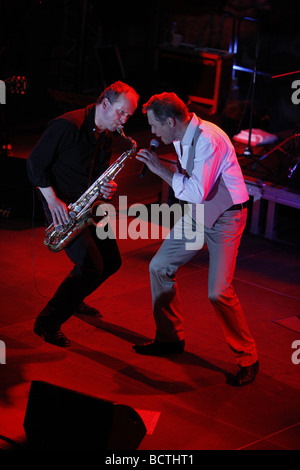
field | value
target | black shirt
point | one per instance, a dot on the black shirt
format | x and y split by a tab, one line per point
68	156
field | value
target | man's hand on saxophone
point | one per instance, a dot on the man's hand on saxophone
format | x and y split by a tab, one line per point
108	189
57	207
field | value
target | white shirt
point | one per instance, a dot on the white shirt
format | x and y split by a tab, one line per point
214	157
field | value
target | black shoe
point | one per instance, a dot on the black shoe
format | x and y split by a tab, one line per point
85	309
156	348
246	375
57	337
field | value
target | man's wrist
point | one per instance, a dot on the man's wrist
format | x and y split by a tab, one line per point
166	175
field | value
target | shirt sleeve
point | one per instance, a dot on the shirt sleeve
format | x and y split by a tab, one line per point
59	134
207	169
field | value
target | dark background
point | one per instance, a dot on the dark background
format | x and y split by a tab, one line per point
64	45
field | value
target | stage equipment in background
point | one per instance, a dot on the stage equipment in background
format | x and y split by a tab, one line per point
208	70
290	148
258	137
15	85
248	151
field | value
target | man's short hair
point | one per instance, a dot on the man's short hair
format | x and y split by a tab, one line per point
113	92
166	105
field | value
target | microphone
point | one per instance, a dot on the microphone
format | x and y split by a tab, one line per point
154	144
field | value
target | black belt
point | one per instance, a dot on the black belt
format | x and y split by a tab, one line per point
237	207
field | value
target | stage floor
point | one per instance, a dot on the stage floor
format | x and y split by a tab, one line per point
184	400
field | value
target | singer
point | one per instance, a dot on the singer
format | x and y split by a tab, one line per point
210	175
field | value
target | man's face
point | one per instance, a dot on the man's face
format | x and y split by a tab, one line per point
117	114
165	131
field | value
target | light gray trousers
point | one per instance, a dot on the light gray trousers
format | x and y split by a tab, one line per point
223	241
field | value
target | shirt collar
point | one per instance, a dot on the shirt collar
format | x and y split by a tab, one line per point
190	131
189	134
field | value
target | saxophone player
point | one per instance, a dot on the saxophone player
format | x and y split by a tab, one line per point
72	152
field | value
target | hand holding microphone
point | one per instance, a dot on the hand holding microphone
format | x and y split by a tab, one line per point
154	144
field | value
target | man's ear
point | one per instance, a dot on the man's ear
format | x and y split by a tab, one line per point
105	102
171	122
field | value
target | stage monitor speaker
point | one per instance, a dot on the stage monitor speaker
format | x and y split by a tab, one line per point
58	418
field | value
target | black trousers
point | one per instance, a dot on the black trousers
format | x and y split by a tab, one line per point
94	261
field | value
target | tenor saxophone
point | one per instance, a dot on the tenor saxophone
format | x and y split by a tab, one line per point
59	236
